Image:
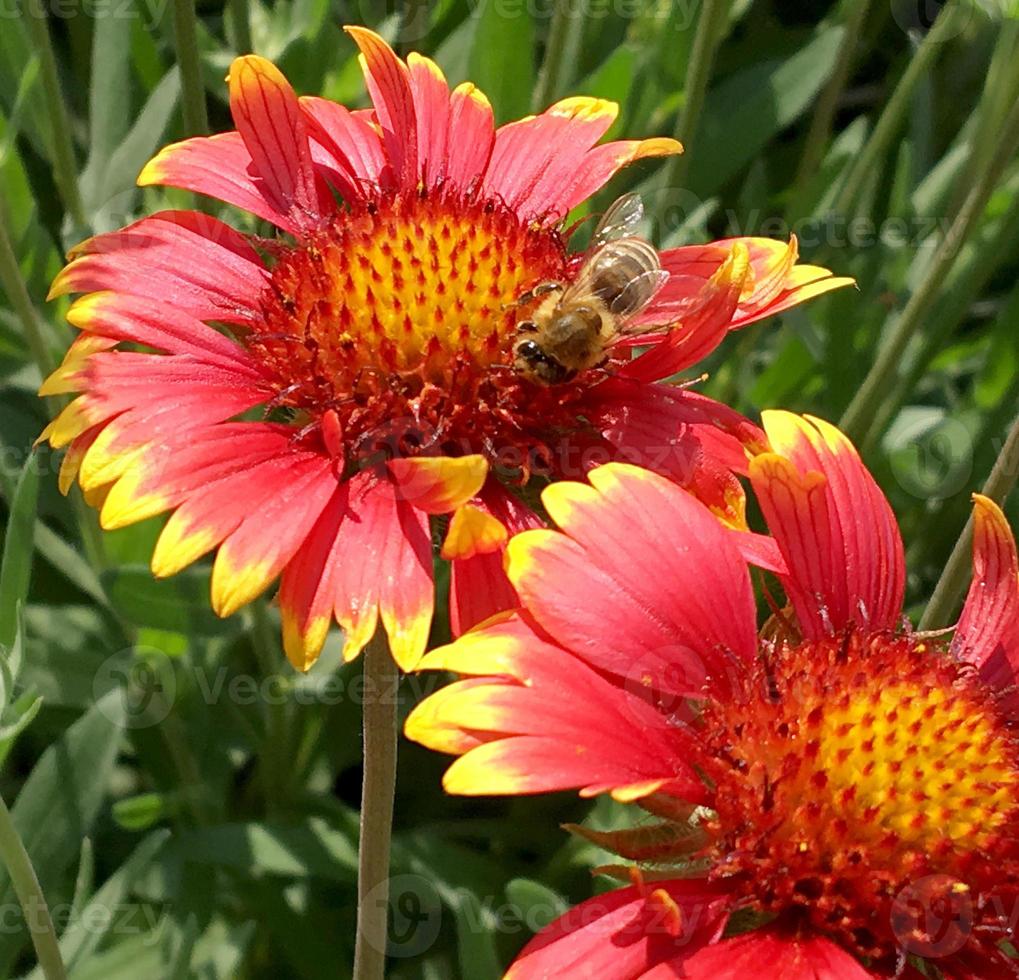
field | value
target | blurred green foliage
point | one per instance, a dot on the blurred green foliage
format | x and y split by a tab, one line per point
205	824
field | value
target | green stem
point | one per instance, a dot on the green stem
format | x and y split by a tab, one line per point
828	100
240	19
20	300
859	416
1001	89
378	789
33	902
557	54
711	25
949	590
275	753
891	117
65	168
185	32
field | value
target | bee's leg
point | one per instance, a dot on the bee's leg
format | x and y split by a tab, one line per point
542	289
527	326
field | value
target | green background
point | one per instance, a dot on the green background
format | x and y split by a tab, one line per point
206	825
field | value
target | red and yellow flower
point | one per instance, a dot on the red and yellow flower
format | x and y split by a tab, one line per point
305	403
835	796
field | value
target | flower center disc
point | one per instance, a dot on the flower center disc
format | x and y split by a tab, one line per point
403	309
854	768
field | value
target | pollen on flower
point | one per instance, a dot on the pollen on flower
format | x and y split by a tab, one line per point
396	319
849	769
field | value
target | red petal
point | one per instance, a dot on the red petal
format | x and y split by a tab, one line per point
439	484
786	959
471	136
388	82
307	588
221	167
392	575
642	558
182	259
213	513
988	630
533	158
270	121
604	162
833	525
478	586
544	721
145	321
346	146
701	329
624	933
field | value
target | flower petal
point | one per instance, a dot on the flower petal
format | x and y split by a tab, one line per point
388	82
644	557
471	136
392	573
269	119
833	525
346	146
473	531
787	958
221	167
478	586
988	630
603	162
439	484
307	587
145	321
182	259
545	721
624	933
167	472
265	541
210	516
533	158
701	329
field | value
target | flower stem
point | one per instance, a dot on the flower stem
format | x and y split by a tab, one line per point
185	31
33	902
949	590
378	788
891	116
710	27
859	416
65	169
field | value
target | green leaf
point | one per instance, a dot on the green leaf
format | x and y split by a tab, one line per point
501	61
59	802
750	108
109	188
179	604
86	930
16	567
312	849
17	717
536	903
476	928
142	811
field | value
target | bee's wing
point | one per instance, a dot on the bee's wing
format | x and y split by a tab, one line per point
675	311
637	293
619	221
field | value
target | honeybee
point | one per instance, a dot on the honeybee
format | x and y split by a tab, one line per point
577	322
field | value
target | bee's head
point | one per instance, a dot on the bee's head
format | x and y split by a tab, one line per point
532	361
